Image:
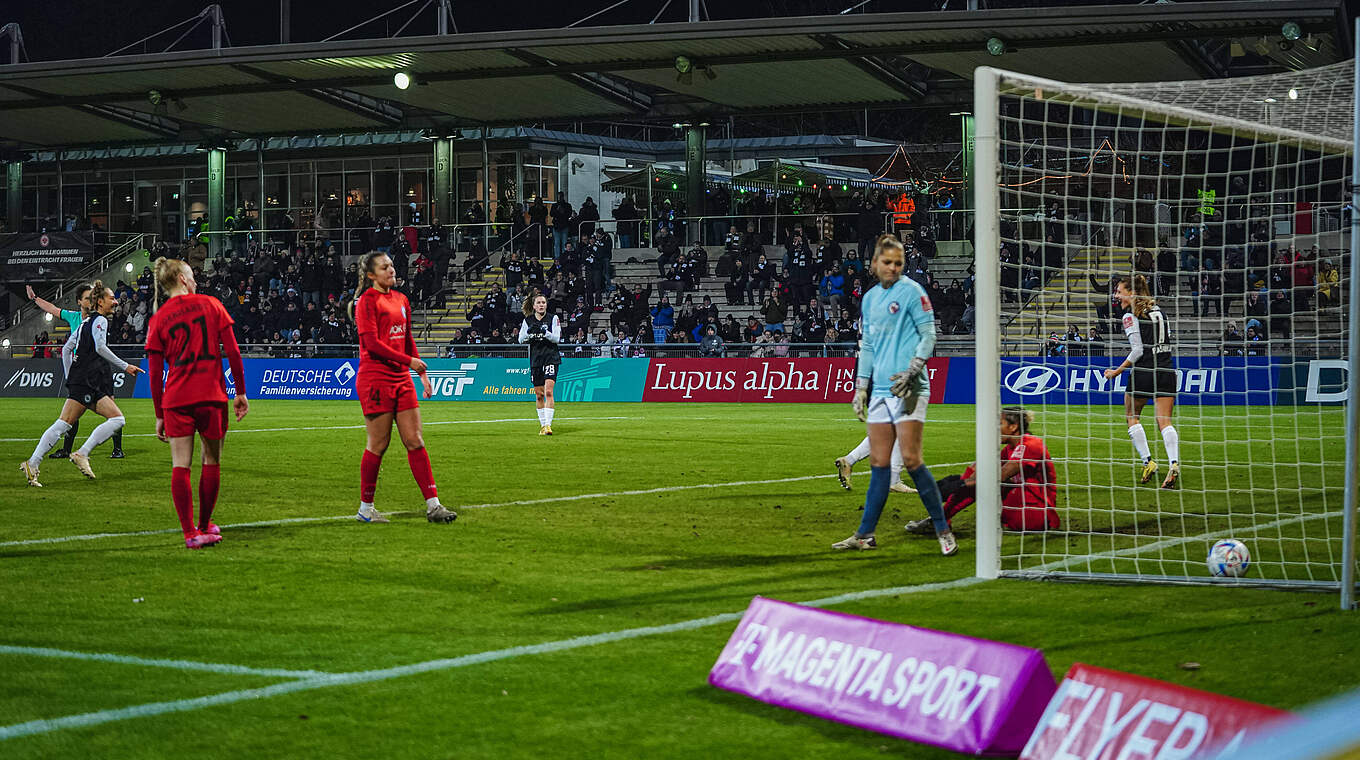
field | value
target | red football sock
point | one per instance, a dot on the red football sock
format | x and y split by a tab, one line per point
209	478
182	492
419	460
368	476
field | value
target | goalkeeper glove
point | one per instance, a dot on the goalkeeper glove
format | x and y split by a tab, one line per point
904	382
861	401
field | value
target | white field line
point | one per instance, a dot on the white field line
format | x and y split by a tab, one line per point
120	659
86	720
426	423
519	502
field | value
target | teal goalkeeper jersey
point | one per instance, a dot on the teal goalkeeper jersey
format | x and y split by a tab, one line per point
890	334
71	318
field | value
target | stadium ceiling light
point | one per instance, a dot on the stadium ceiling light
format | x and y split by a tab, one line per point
154	97
1293	94
47	317
401	79
4	343
683	64
1271	100
128	267
1291	31
995	46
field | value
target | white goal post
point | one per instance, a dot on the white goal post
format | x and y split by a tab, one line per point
1231	199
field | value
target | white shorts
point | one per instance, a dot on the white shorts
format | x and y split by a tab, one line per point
889	410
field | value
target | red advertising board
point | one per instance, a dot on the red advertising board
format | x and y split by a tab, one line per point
1100	714
802	380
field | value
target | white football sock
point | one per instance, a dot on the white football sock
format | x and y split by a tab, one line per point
541	418
860	452
366	506
102	433
50	438
432	502
1172	439
1140	443
548	414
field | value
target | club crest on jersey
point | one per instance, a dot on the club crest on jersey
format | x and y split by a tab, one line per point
894	307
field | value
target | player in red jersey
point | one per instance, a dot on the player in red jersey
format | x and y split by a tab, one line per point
189	335
1029	481
387	354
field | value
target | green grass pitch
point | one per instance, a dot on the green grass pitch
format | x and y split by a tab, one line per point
323	595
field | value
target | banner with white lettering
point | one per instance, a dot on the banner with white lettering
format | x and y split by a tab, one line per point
44	257
1100	714
801	380
964	694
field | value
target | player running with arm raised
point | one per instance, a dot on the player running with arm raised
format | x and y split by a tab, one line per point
543	333
387	354
893	389
189	335
1152	375
89	385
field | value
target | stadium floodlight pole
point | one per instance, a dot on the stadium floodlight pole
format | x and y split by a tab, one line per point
1353	373
987	337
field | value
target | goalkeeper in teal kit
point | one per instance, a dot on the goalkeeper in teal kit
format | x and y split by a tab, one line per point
892	390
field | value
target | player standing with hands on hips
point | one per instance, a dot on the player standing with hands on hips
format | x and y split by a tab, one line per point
1152	375
542	332
89	385
892	390
190	334
387	354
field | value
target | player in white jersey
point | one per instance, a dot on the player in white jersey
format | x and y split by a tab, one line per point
1152	369
892	390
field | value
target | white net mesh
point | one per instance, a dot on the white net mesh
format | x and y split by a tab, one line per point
1230	198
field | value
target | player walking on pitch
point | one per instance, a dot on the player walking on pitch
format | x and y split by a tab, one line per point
542	332
387	354
190	334
1152	375
892	390
89	385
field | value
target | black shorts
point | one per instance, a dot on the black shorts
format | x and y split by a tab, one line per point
88	395
1153	382
541	373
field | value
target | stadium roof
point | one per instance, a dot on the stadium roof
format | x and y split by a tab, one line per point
629	72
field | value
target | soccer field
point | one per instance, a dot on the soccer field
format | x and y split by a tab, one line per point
573	610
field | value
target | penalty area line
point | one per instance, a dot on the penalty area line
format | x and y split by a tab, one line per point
122	659
426	423
518	502
100	717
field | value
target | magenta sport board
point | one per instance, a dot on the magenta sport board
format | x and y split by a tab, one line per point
964	694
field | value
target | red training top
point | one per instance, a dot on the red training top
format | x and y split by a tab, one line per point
1039	479
385	343
191	333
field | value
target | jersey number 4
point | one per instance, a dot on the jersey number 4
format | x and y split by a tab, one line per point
181	335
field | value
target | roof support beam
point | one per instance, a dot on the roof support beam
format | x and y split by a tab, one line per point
607	87
370	108
872	66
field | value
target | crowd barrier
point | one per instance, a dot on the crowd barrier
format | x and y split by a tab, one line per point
1206	381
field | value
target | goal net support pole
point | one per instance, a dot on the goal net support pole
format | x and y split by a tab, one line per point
1353	374
986	250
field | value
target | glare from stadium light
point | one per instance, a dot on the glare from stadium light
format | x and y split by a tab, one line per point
1293	94
128	267
995	46
401	79
47	317
1271	100
4	343
1291	31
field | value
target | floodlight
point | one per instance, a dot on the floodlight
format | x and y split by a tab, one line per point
401	79
1291	31
995	46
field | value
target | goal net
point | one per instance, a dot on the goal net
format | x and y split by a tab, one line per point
1231	200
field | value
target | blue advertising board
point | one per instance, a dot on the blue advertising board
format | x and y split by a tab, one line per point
1200	380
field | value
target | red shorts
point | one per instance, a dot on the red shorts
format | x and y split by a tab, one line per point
382	396
208	419
1028	517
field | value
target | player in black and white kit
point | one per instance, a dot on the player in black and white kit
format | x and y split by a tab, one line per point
89	385
1152	375
542	332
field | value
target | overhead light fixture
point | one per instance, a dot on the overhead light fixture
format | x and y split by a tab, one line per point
1271	100
1291	31
154	97
47	317
128	267
401	79
4	343
995	46
1293	94
179	105
683	64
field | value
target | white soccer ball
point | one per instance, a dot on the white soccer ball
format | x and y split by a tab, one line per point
1228	558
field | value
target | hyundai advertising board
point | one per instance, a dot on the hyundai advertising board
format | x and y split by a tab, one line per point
1205	381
